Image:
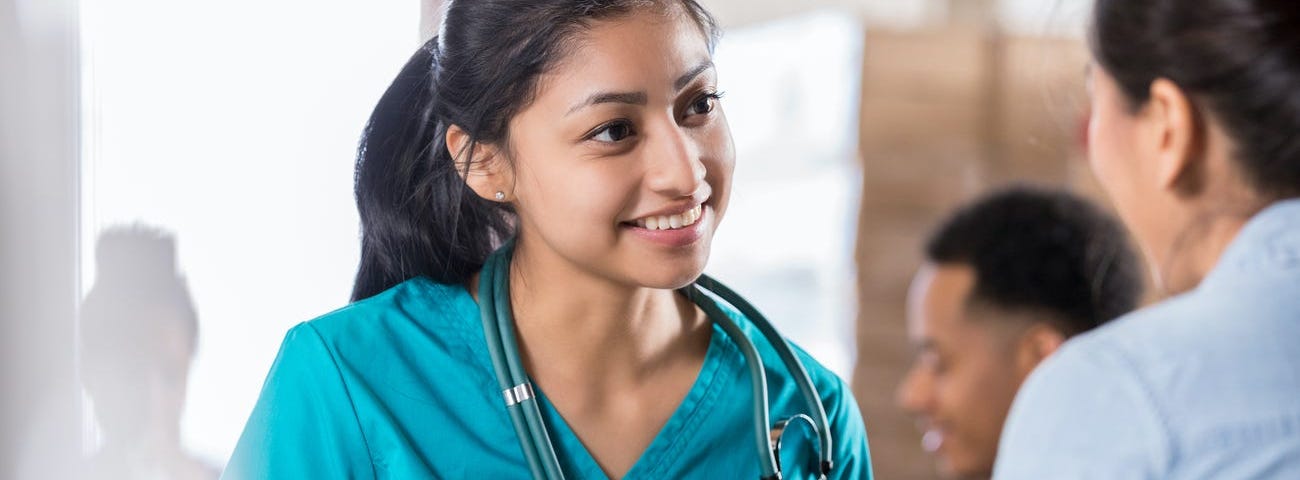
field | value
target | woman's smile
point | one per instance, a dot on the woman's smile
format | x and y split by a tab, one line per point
672	230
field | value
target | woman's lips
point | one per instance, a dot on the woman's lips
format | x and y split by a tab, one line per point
672	230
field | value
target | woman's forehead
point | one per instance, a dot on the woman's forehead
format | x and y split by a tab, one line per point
644	51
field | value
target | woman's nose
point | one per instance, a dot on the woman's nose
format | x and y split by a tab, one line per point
675	167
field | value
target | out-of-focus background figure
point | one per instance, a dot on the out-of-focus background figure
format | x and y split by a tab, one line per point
139	332
1006	280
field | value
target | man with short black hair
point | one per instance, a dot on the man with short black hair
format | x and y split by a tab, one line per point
1006	280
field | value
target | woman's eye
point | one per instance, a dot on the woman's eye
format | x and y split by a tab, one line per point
704	104
613	132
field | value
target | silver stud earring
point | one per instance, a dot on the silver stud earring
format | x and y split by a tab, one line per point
501	196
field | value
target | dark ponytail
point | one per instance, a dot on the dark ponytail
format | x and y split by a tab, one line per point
418	217
1237	59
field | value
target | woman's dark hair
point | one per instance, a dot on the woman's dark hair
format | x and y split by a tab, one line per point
1237	59
418	217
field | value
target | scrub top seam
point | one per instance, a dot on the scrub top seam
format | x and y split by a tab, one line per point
348	393
449	295
474	339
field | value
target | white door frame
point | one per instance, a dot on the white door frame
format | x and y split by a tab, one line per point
40	412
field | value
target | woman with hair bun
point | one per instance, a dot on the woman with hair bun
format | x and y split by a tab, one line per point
1195	135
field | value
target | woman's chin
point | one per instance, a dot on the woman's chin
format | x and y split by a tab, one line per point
671	277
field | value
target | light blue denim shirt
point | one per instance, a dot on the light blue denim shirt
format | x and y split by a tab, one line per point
1205	385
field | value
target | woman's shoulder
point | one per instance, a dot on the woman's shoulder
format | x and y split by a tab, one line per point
416	315
415	303
827	382
852	456
1184	327
835	393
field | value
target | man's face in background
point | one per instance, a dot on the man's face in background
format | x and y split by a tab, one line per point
970	360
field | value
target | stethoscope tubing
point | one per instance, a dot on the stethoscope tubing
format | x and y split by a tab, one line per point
757	379
811	397
524	413
522	404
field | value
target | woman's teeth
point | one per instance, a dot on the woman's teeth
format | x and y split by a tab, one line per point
671	222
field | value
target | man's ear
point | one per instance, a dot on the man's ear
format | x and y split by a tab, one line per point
483	166
1173	120
1036	343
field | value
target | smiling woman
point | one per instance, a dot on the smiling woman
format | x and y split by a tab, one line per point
587	136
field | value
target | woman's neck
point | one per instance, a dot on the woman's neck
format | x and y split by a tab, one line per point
1197	249
578	328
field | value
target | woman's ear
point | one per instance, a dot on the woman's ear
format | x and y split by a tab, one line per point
482	166
1178	132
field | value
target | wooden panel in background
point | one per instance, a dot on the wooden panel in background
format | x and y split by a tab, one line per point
946	115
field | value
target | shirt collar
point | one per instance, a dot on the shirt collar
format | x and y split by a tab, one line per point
1269	241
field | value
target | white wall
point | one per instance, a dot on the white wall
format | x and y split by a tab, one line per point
787	243
233	125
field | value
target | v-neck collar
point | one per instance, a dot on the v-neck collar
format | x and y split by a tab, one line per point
678	432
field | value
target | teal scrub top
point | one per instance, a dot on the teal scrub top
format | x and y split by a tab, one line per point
400	385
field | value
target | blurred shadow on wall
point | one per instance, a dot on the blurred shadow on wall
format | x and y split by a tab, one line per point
139	333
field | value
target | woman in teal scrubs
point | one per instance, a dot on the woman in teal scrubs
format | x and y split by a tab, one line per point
590	131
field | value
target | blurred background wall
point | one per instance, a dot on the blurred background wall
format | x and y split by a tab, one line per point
39	151
230	128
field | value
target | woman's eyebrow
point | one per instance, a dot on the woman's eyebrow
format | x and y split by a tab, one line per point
631	98
640	98
692	73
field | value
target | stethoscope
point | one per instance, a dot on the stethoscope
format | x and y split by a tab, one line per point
499	330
